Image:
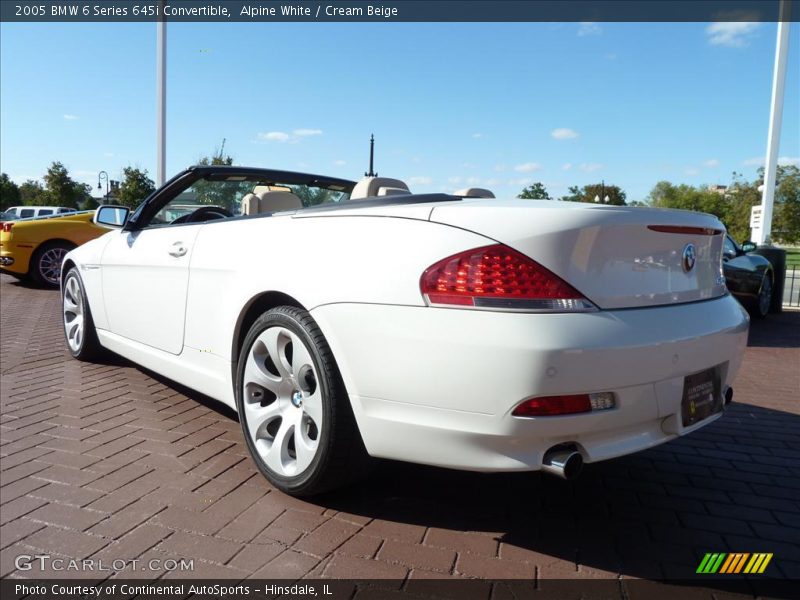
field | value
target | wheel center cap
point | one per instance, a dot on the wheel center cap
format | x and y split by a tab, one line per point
297	399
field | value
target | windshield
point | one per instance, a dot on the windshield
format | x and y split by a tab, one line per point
233	195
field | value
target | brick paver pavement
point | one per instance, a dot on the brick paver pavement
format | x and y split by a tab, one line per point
107	461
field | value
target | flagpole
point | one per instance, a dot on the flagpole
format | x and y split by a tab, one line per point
763	233
161	98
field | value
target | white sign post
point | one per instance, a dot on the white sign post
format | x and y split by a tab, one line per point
756	221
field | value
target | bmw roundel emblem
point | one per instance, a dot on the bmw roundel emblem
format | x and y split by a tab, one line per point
689	257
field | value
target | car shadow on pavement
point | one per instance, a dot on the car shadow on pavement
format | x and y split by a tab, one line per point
777	330
732	487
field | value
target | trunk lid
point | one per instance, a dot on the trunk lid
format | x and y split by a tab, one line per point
618	257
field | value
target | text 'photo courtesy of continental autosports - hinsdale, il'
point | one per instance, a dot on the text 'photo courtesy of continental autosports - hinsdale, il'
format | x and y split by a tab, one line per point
456	330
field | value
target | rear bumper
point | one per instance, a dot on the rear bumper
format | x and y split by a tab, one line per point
437	386
15	260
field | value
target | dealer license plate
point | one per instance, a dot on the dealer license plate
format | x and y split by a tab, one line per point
702	396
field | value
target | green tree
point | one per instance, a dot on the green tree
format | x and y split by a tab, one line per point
734	206
312	196
575	195
786	222
687	197
227	194
9	192
535	191
62	190
598	191
740	197
31	193
134	187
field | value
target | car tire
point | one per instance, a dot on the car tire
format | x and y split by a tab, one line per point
294	409
79	330
45	268
763	302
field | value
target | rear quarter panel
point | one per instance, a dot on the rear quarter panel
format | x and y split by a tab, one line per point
316	261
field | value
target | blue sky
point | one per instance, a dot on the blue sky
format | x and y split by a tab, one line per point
492	105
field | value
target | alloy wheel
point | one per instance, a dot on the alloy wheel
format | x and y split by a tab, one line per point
765	295
50	264
282	401
73	313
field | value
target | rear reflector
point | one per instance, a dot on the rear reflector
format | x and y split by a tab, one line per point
684	230
498	277
7	226
565	405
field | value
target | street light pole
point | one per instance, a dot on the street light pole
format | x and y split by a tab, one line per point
103	175
161	97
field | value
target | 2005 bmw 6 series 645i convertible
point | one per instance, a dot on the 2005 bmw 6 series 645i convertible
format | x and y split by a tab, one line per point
348	320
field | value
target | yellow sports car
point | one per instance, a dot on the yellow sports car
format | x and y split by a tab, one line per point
34	248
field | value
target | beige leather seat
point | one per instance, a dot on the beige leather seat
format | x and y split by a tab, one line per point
266	201
372	187
276	201
474	193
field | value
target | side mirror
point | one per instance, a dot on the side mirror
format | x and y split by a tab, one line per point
749	246
111	216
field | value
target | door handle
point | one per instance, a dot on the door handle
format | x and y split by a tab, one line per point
177	249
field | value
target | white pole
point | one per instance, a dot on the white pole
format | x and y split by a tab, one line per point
762	234
161	100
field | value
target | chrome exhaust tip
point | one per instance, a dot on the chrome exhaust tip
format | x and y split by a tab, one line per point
728	395
565	463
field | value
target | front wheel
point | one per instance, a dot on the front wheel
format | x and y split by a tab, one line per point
293	407
77	318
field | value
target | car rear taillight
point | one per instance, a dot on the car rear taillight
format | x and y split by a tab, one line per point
7	226
498	277
546	406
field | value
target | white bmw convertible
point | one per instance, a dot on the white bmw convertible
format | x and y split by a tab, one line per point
348	320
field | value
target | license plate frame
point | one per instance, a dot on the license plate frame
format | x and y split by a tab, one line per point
702	396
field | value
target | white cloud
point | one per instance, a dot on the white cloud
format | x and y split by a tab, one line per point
589	28
589	167
528	167
454	180
566	166
340	163
784	161
711	163
420	180
477	136
468	165
522	181
70	117
692	171
501	168
473	180
492	181
283	137
564	133
610	56
735	34
274	136
108	154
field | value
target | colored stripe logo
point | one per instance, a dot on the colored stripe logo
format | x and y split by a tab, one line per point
734	562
